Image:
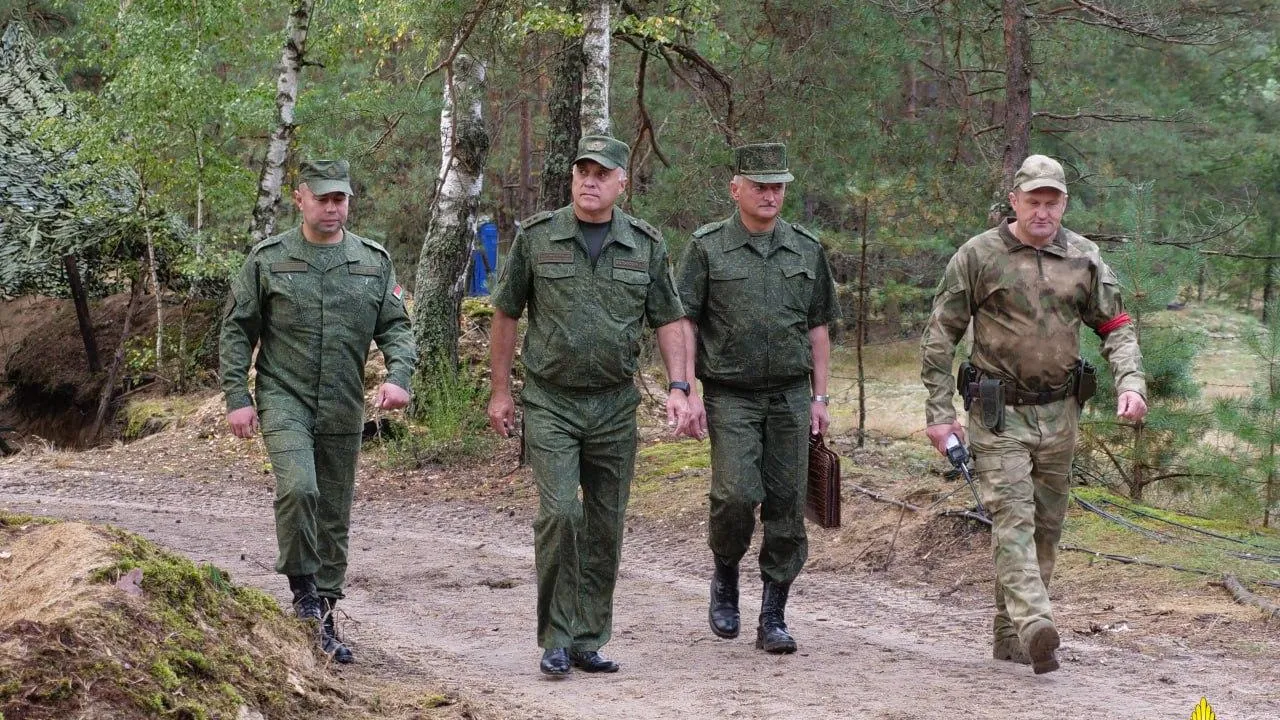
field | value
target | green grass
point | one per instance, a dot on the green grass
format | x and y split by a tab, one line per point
1199	552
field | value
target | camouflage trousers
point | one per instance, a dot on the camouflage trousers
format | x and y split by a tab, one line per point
1025	477
582	448
759	458
315	479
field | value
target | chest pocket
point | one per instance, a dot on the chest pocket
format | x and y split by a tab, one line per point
797	286
290	293
360	288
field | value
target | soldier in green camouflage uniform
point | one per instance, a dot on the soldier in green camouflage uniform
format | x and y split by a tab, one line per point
311	299
1027	286
758	297
589	276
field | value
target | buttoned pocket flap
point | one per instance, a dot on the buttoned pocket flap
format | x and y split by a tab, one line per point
631	277
728	274
797	271
292	266
373	270
555	270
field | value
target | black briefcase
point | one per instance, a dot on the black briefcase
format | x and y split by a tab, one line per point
822	499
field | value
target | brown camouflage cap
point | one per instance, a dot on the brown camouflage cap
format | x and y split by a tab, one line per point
762	162
1040	171
609	152
326	176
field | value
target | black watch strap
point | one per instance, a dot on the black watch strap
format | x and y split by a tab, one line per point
679	385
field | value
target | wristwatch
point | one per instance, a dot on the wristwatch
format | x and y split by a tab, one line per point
824	399
678	385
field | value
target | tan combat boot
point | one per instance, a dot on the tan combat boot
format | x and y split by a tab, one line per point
1009	649
1042	641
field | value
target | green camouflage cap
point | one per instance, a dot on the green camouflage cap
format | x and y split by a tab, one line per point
326	176
763	163
609	152
1040	171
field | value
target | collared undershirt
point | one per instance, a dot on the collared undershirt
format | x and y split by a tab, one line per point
594	234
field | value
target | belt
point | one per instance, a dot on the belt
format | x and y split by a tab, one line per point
1013	396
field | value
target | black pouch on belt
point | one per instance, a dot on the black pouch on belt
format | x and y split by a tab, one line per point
991	393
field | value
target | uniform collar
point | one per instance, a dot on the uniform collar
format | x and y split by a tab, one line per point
298	246
564	226
1057	246
783	236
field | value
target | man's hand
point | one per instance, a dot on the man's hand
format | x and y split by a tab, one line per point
502	413
1131	406
697	428
391	397
678	415
938	435
819	418
243	422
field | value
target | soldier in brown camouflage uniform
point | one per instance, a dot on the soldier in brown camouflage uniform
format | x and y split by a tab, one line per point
1027	286
758	297
590	276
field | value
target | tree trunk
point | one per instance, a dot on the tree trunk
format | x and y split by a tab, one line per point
109	385
1017	89
155	287
295	48
595	72
563	122
82	312
861	330
446	251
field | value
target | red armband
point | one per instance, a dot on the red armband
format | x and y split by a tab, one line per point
1118	321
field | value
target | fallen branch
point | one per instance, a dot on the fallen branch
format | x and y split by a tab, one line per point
884	498
1150	563
967	514
1244	597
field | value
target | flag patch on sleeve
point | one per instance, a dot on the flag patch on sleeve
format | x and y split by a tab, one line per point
398	292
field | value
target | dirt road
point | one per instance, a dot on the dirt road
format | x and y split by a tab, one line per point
445	593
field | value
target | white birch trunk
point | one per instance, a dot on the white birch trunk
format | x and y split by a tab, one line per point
295	46
595	74
446	250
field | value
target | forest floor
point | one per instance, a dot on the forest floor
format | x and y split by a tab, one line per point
892	614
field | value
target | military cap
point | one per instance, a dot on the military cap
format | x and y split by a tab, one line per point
762	162
1040	171
326	176
609	152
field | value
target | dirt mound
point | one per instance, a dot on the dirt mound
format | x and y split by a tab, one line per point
48	389
100	623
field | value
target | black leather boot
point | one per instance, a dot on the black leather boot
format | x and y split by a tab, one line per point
723	613
306	602
555	662
771	635
329	641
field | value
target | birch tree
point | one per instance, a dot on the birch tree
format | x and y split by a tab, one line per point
291	59
442	267
595	71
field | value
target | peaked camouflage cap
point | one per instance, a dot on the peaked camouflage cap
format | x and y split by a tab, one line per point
763	163
326	176
609	152
1040	171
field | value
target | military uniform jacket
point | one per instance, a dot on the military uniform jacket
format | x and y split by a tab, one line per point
754	305
585	319
1027	306
314	325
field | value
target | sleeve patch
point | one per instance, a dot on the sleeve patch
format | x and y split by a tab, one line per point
398	292
1114	323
